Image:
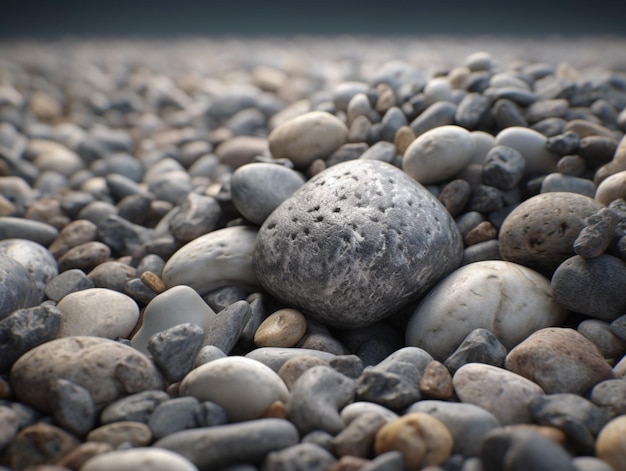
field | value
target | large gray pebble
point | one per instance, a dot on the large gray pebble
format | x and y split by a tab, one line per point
18	289
305	456
18	228
258	188
356	243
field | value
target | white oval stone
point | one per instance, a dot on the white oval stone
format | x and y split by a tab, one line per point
612	188
510	300
222	257
532	145
174	306
245	388
313	135
98	312
438	154
138	459
483	143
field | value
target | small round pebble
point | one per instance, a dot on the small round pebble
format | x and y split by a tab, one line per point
283	328
611	443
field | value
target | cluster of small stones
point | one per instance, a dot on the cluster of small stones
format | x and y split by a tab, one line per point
251	255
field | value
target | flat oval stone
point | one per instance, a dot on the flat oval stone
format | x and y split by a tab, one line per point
508	299
98	312
222	257
355	244
541	231
283	328
156	459
610	443
438	154
532	145
18	289
313	135
612	188
258	188
18	228
245	388
107	369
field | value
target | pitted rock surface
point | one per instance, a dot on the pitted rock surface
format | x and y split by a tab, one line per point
356	243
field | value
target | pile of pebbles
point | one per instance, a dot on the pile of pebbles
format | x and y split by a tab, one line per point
327	254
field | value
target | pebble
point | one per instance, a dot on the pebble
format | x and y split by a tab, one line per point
174	350
436	383
563	144
82	453
357	438
184	413
135	407
219	258
595	238
283	328
591	286
610	445
479	346
441	113
383	249
438	154
307	456
9	426
227	382
164	312
258	189
18	289
276	357
471	109
597	150
85	256
455	195
612	188
422	439
509	300
560	360
73	234
120	370
313	135
137	434
139	459
505	394
532	147
224	445
467	423
540	232
195	216
97	312
382	151
72	407
507	113
600	333
503	167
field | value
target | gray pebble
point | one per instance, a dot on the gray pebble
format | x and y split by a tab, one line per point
485	199
455	195
121	235
18	289
276	357
303	456
394	382
316	397
195	216
224	296
503	168
174	350
507	113
518	96
382	150
539	110
438	114
24	329
563	144
72	407
573	165
350	151
173	415
135	407
112	275
97	212
610	395
152	263
206	354
17	228
85	257
224	329
599	332
568	183
468	221
597	150
9	426
596	236
389	461
550	127
139	291
223	445
318	337
348	365
357	439
470	110
590	463
487	250
480	346
374	343
393	119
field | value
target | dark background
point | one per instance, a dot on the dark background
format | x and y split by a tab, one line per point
104	18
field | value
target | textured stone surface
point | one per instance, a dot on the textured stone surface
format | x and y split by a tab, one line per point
18	289
356	243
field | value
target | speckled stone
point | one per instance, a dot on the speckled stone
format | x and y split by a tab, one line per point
106	368
541	231
18	289
384	234
560	360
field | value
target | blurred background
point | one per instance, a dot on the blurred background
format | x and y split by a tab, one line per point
84	18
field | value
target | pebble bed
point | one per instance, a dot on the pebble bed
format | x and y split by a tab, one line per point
310	253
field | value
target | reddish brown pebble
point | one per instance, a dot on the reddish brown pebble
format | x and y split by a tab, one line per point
79	455
348	463
481	233
276	411
39	444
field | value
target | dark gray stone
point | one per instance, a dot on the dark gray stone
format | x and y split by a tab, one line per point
516	95
346	152
390	461
123	236
73	407
507	113
597	150
174	350
487	250
470	110
618	327
197	215
596	236
550	127
136	407
112	275
258	313
393	119
18	228
374	343
610	396
599	332
225	328
356	243
438	114
580	419
594	287
569	184
24	329
480	346
303	456
485	199
152	263
455	195
348	365
394	382
173	415
382	150
224	296
540	110
503	168
573	165
210	414
18	289
139	291
563	144
67	282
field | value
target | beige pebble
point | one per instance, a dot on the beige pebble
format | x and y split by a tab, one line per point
283	328
293	368
436	381
612	188
153	281
403	139
116	433
422	440
83	452
611	443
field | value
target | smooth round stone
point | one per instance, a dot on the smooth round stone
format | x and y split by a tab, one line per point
313	135
283	328
75	233
177	305
422	439
612	188
241	150
117	433
245	388
610	445
34	257
503	393
483	143
438	154
97	312
532	145
594	286
276	357
540	232
355	244
510	300
107	369
258	188
136	459
560	360
556	182
18	289
222	257
18	228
